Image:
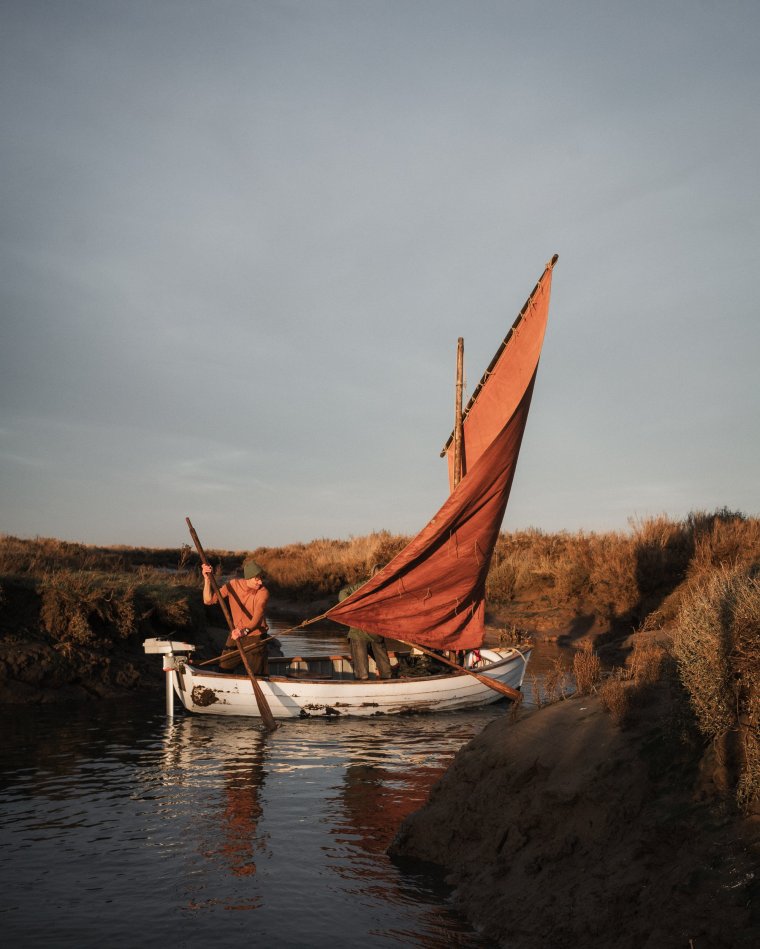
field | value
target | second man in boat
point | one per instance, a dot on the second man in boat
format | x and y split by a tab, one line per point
361	642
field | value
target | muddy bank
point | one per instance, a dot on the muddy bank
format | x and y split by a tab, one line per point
560	828
77	641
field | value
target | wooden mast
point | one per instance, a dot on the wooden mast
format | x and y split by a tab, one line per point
458	441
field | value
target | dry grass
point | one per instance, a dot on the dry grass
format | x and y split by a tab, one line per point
556	681
587	669
76	605
82	609
646	662
716	644
615	574
322	567
722	539
512	635
612	575
502	582
535	690
626	687
19	557
615	696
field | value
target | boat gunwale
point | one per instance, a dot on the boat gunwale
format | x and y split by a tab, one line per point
514	654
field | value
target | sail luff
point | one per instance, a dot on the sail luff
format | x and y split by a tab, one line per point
498	354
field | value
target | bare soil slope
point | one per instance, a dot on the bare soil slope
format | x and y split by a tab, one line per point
561	829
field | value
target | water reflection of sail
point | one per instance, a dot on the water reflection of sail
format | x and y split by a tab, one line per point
389	774
376	799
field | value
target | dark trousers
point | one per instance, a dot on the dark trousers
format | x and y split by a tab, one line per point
360	657
257	658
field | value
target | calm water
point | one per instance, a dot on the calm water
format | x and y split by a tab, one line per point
118	827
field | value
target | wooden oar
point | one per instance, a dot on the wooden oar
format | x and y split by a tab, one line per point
261	700
494	684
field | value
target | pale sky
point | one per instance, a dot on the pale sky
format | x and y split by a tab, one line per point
240	240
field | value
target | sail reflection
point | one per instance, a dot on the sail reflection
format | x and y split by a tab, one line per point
385	778
375	799
389	775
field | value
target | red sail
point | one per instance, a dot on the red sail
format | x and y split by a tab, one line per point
433	592
506	379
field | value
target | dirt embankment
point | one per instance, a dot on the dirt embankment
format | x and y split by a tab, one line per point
63	643
562	829
83	639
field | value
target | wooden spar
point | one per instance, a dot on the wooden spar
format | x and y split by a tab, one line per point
251	647
264	710
458	465
263	642
499	351
486	680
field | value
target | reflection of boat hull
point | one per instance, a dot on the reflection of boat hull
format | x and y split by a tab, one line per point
325	686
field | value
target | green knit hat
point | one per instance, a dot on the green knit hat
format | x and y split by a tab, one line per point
251	569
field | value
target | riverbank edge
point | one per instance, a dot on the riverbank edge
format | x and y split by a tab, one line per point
561	828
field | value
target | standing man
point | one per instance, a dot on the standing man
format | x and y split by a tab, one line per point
361	641
254	596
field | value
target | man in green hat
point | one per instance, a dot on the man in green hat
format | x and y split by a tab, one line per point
250	627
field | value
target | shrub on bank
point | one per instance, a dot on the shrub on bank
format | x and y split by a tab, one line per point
76	605
716	643
587	669
83	609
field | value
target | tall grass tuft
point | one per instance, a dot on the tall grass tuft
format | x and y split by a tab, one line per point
615	697
556	681
716	644
646	662
587	669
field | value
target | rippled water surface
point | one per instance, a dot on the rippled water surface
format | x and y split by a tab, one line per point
119	827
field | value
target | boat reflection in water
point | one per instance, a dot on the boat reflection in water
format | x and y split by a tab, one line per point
304	816
217	830
228	771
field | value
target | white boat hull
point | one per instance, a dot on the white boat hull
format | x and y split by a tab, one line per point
324	686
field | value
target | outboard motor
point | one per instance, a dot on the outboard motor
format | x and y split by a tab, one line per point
173	652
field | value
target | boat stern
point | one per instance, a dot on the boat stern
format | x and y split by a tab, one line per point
173	651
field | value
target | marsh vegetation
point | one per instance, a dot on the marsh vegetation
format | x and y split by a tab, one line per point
668	597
